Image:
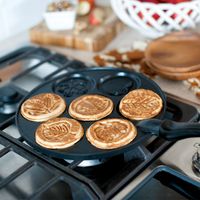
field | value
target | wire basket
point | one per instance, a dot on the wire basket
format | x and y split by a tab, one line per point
154	20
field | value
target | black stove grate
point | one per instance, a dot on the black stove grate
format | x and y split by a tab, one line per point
104	180
24	175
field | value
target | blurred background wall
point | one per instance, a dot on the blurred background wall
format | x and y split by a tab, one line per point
19	15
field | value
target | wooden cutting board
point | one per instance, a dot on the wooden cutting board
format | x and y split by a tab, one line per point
93	38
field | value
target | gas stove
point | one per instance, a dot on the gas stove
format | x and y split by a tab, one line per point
164	169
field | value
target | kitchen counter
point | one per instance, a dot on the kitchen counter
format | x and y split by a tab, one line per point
22	39
124	39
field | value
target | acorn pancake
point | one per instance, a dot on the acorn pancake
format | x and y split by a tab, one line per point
140	104
43	107
111	133
90	107
59	133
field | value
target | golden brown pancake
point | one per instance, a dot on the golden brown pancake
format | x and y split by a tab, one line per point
111	133
59	133
140	104
90	107
43	107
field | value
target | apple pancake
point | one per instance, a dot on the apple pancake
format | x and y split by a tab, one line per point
111	133
59	133
90	107
140	104
43	107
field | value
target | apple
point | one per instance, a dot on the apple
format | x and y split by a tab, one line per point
97	16
164	1
150	1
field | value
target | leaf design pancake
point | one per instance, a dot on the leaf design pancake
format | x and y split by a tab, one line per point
140	104
90	107
43	107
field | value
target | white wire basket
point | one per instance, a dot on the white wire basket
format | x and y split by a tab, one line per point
154	20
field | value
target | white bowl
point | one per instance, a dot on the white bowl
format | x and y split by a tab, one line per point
154	20
61	20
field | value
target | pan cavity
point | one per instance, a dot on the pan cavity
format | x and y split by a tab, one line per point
119	84
75	85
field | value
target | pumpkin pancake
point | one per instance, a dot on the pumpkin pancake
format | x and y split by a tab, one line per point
90	107
140	104
59	133
111	133
43	107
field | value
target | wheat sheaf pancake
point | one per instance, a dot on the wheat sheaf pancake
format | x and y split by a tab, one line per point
140	104
111	133
43	107
59	133
90	107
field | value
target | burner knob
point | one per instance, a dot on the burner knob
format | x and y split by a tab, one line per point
9	98
8	95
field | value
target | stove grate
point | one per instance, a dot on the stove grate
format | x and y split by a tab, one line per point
31	177
61	173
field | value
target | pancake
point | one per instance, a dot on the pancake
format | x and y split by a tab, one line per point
111	133
59	133
43	107
140	104
90	107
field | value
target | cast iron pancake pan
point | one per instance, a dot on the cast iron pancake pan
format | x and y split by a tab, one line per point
112	83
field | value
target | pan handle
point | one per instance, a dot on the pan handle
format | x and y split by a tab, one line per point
171	130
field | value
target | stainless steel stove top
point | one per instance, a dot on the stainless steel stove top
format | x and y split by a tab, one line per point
179	157
176	161
118	178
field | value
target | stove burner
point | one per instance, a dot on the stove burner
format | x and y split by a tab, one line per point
88	163
9	99
196	159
